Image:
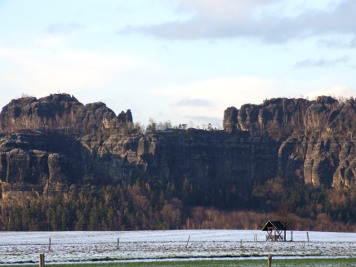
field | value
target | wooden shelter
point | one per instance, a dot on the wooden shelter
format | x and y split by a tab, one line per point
276	231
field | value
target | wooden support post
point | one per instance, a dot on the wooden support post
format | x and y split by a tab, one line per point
308	236
291	236
240	243
187	242
269	260
42	260
49	244
118	243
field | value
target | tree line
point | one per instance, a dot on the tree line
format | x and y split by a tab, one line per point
163	204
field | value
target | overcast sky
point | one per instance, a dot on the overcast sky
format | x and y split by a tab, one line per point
178	60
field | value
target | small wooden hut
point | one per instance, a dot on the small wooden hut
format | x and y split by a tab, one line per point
276	231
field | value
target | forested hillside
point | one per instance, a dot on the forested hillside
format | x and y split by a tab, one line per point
69	166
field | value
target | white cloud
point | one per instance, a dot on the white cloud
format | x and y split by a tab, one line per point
186	102
224	92
221	92
336	91
40	73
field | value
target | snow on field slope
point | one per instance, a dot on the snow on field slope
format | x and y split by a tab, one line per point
25	247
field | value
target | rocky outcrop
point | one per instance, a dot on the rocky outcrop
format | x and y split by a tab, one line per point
43	143
52	112
345	174
62	112
316	137
259	119
48	144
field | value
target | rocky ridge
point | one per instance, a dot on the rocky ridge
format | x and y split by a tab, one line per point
316	139
51	143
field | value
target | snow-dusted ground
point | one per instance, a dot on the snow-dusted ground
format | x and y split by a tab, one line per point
25	247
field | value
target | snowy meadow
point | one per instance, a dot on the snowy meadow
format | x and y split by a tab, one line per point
74	247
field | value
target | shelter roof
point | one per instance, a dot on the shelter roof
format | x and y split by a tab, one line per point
274	224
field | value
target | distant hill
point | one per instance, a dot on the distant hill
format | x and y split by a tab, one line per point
66	166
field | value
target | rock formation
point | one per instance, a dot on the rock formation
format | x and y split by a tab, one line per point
48	144
316	139
61	112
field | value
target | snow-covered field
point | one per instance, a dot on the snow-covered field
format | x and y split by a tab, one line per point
25	247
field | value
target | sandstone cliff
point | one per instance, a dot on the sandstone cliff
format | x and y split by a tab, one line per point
48	144
61	112
317	138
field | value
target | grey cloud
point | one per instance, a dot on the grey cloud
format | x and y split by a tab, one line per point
340	20
321	62
194	103
64	28
337	43
208	29
272	28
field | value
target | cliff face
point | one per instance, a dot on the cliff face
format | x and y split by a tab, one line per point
317	137
51	162
48	144
61	112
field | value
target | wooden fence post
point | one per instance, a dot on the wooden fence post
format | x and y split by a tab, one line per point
308	236
187	242
269	260
49	244
42	260
118	243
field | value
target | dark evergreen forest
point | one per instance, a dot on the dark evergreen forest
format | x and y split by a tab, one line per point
157	204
